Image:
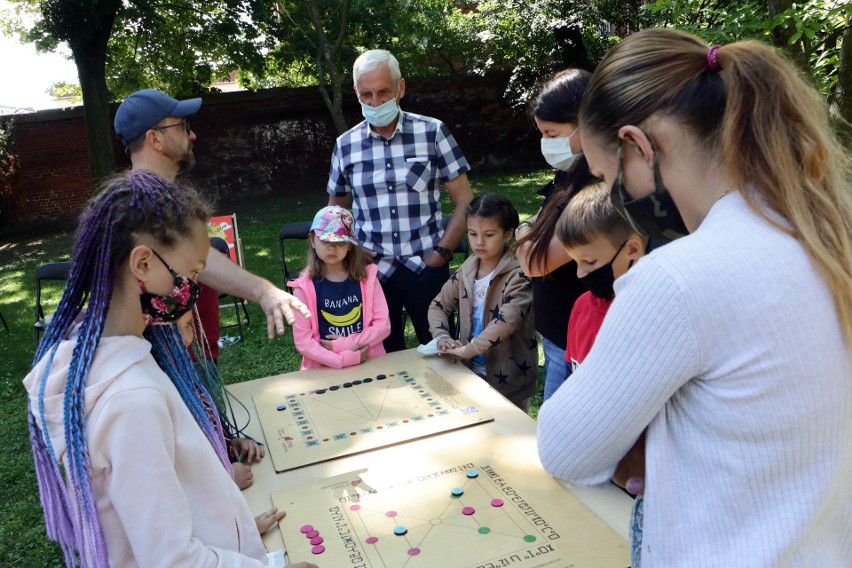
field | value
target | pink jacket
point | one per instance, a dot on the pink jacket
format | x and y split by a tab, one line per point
376	325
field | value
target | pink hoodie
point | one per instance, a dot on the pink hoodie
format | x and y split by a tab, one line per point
376	325
163	497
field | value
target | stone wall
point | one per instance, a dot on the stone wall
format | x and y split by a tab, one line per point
271	142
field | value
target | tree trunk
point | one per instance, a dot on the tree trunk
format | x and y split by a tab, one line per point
843	89
90	68
781	35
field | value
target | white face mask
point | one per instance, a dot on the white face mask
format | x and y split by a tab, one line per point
557	151
381	115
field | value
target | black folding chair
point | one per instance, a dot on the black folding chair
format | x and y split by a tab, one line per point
55	271
292	231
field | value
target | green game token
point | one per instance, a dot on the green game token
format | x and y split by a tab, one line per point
529	538
484	530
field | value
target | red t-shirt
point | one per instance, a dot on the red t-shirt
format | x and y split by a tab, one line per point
586	319
208	311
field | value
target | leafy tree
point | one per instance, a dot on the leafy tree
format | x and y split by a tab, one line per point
811	32
177	45
61	89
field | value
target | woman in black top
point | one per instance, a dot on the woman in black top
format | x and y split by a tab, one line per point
542	256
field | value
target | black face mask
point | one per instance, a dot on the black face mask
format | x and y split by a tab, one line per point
653	215
600	281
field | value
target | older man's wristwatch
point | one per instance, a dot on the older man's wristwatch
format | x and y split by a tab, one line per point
445	253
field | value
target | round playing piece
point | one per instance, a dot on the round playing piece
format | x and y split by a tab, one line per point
356	382
320	391
413	551
390	514
318	549
307	528
484	530
381	377
400	530
468	511
457	492
312	534
472	474
496	502
334	388
316	540
368	380
371	540
354	507
282	407
347	385
529	538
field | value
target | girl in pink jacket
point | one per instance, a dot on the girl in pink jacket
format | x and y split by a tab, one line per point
340	287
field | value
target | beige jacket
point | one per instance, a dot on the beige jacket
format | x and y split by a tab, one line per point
508	334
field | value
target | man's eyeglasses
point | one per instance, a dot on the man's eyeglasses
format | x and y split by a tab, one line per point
184	123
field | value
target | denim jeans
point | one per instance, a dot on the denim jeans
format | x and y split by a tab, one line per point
556	369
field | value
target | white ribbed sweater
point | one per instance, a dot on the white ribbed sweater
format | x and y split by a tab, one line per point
726	345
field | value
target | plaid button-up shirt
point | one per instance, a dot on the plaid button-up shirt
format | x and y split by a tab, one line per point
394	184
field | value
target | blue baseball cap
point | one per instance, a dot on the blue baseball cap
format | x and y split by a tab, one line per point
139	112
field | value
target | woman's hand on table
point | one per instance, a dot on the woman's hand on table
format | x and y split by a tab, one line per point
630	472
269	519
248	451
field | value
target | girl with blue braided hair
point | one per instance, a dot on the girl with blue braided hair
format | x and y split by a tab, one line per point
131	469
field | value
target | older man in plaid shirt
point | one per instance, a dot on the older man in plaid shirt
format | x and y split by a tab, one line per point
389	165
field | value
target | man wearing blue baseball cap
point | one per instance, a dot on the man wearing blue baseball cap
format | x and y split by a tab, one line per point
155	132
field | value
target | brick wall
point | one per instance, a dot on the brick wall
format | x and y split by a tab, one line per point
266	143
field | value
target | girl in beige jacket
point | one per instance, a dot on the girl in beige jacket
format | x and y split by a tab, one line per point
494	299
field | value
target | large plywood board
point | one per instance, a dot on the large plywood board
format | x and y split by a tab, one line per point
306	421
464	507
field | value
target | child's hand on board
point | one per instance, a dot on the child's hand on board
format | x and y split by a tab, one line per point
462	352
243	476
268	519
446	346
248	451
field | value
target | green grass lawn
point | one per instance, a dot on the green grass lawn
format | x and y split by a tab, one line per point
22	535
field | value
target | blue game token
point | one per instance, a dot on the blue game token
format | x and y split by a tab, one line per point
282	407
457	492
472	473
400	530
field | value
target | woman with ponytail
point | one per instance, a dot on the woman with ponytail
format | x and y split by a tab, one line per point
131	469
733	344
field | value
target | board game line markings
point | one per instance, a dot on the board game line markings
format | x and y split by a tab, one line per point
381	407
418	545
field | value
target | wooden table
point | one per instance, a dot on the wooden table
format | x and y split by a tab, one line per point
608	503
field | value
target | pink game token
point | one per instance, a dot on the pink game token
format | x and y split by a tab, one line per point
413	551
496	502
354	507
371	540
307	528
316	540
468	511
318	549
390	514
312	534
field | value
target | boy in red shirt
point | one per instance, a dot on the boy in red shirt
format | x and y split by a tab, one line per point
605	246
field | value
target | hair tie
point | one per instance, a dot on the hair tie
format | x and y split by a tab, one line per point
712	62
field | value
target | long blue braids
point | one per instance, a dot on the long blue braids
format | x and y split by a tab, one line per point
138	203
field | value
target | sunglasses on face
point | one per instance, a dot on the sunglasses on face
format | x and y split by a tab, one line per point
184	123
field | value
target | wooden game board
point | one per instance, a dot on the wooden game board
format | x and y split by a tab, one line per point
311	418
463	507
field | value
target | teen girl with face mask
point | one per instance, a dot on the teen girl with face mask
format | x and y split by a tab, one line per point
132	471
542	256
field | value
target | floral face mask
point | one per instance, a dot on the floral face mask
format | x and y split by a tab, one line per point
158	309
